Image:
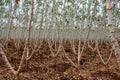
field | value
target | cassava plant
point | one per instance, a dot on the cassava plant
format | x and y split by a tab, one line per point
112	30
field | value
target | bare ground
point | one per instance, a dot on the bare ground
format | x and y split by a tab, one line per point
42	66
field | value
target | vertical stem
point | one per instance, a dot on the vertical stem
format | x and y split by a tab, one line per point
112	31
9	22
29	27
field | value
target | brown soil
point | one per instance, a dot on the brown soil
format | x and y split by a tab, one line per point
42	66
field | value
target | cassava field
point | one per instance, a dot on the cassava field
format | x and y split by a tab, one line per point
59	39
57	59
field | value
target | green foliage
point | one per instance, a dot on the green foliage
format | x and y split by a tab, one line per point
1	3
71	1
73	10
78	17
7	1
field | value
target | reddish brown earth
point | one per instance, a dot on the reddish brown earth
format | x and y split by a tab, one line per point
42	66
